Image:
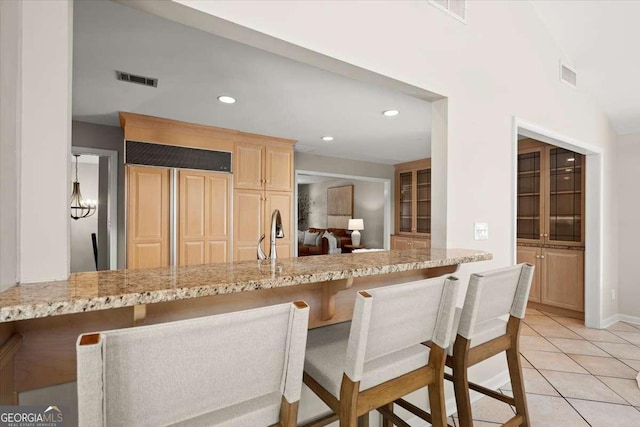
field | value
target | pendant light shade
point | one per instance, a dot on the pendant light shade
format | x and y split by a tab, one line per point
80	208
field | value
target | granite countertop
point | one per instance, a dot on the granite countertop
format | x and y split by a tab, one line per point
123	288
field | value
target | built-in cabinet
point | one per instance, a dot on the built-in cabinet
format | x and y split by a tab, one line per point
263	182
148	226
412	205
550	222
186	216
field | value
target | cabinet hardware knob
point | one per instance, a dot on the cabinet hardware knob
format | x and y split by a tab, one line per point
545	234
541	235
542	256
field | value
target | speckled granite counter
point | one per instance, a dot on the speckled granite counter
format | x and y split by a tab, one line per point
84	292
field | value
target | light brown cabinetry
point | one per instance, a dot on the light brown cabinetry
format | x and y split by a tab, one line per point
413	198
203	220
261	166
148	191
550	221
403	242
559	277
263	181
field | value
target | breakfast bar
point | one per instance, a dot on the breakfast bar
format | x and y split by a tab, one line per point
40	322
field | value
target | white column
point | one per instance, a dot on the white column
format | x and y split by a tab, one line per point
9	140
439	172
44	187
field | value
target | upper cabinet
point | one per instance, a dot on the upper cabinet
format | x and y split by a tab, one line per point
261	164
413	198
550	195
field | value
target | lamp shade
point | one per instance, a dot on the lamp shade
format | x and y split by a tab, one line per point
356	224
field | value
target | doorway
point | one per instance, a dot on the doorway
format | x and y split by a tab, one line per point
94	239
592	220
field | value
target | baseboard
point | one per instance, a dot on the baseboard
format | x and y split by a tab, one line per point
629	319
611	320
492	383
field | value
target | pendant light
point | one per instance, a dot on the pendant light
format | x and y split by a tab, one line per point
79	207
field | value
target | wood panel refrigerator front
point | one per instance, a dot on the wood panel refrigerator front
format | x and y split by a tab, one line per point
203	225
148	193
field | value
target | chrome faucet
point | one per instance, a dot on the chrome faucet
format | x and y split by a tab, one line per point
277	232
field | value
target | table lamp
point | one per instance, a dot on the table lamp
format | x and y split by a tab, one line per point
356	225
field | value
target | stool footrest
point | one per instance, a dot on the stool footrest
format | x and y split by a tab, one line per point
486	391
396	420
514	422
322	421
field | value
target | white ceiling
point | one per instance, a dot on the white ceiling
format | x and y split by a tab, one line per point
600	38
276	96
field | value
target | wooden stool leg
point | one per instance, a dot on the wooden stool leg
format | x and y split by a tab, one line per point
348	402
436	390
515	371
461	381
386	422
363	420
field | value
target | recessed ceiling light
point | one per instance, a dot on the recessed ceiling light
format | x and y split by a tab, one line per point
327	138
391	113
571	159
226	99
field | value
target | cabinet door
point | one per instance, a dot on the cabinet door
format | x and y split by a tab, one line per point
406	206
400	242
531	189
203	223
563	284
420	244
278	168
283	201
248	166
147	217
248	221
531	255
423	202
565	197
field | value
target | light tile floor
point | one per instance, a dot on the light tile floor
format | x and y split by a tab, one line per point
574	376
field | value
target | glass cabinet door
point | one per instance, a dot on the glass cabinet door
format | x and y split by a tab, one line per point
565	195
423	201
529	196
406	202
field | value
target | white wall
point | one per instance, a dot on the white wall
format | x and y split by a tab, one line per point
45	139
81	229
629	214
502	63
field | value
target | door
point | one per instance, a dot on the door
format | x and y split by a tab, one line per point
248	212
563	283
531	186
283	201
531	255
423	202
565	197
248	166
420	244
400	243
278	169
148	190
203	230
405	202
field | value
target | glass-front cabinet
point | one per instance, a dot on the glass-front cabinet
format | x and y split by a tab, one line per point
413	198
550	196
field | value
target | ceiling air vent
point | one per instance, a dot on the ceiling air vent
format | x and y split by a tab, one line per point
455	8
568	75
132	78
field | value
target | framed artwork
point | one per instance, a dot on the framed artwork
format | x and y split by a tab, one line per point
339	206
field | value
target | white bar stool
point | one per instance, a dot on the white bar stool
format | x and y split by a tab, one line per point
366	364
235	369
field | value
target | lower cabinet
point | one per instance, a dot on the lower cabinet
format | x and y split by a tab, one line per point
403	242
559	277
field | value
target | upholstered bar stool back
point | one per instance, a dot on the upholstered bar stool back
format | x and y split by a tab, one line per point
360	366
235	369
488	324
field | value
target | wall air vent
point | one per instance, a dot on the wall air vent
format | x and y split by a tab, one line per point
132	78
455	8
568	75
